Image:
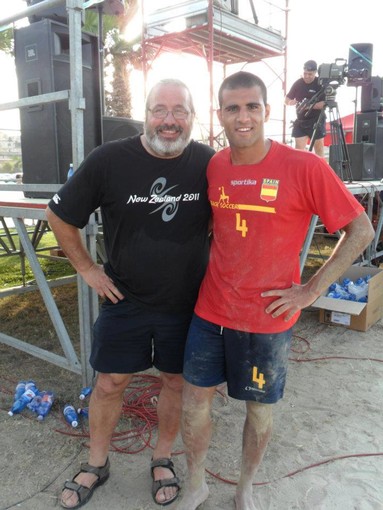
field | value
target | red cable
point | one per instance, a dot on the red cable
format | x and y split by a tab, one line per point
300	470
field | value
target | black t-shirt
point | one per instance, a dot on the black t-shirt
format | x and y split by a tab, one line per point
155	215
301	90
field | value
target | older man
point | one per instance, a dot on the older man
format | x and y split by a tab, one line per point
152	192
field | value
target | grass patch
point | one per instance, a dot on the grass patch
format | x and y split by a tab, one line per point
15	269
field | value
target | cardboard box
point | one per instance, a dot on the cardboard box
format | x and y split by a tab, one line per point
350	314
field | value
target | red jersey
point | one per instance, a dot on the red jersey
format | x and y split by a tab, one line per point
261	215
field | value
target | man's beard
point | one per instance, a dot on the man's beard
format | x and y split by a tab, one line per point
167	148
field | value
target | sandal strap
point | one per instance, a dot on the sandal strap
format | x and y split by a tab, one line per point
165	482
100	471
83	493
162	462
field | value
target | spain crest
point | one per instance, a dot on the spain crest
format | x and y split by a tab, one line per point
269	190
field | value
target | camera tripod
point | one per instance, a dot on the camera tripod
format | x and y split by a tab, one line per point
341	159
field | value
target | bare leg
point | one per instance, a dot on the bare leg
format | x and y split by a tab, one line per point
169	415
301	143
104	413
256	436
196	433
319	147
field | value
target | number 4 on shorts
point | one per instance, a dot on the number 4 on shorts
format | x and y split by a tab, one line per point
260	379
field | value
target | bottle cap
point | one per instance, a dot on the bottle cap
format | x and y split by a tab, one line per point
74	423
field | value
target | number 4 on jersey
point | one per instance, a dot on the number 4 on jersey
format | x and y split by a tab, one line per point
241	226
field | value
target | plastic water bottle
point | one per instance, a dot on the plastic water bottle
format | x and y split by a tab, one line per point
83	411
337	291
34	403
70	415
359	289
70	171
19	390
85	392
45	405
21	403
30	384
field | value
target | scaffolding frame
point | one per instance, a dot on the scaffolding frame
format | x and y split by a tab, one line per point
87	297
215	34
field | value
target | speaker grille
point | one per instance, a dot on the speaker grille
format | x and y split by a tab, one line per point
371	97
362	161
42	66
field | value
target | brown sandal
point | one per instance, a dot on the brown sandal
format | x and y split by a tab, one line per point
85	493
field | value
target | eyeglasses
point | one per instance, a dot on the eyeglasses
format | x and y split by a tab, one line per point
162	113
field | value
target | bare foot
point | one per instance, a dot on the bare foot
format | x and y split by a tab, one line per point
192	499
164	493
69	498
244	501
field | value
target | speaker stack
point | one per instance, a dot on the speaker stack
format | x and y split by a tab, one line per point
369	131
42	66
366	155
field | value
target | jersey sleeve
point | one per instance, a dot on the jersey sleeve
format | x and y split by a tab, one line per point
333	202
81	195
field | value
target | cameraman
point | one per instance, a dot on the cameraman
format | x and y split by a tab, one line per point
300	94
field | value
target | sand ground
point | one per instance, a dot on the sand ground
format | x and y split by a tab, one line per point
326	452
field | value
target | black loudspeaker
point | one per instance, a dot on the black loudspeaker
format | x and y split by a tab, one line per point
42	66
379	151
55	13
120	127
362	161
371	96
359	64
366	126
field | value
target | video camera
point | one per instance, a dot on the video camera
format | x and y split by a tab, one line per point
357	70
335	72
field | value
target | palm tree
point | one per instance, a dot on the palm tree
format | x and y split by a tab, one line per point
123	57
120	56
6	41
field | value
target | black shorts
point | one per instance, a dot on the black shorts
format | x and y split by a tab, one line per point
306	128
129	339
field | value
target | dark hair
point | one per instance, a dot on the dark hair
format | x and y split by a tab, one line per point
242	79
310	65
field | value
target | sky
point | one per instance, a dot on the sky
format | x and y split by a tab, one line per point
322	31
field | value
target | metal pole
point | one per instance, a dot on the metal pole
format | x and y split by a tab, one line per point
87	297
76	100
284	84
210	59
101	66
143	49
